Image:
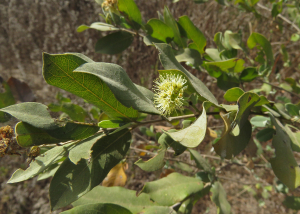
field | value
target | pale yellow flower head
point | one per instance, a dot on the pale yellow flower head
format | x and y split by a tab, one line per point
169	91
107	4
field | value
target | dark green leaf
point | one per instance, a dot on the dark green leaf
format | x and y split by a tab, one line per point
131	11
248	74
292	109
292	202
265	134
35	114
193	33
71	181
233	94
40	164
170	21
159	30
227	81
284	164
200	161
169	61
6	99
219	198
172	189
58	71
120	84
98	209
114	43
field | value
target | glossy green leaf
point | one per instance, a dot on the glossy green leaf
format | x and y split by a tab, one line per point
170	21
292	109
155	163
123	197
248	74
159	30
292	202
295	138
6	99
189	55
200	161
97	209
260	121
97	26
58	71
172	189
114	43
35	114
193	135
82	150
219	198
230	65
233	94
120	84
193	33
265	134
257	39
131	11
40	164
169	61
284	164
71	181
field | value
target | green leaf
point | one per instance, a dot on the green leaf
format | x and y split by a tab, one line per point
120	84
170	21
155	163
249	74
114	43
193	33
233	94
132	12
295	37
219	198
166	141
230	65
6	99
284	164
97	209
257	39
295	138
82	150
40	164
227	81
260	121
97	26
35	114
169	61
200	161
109	124
172	189
292	109
159	30
75	112
120	196
193	135
49	172
265	134
189	55
235	40
71	181
58	71
292	202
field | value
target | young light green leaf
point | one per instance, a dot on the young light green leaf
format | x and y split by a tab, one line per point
97	209
193	135
6	99
97	26
71	181
219	198
169	62
284	164
260	121
40	164
35	114
230	65
129	9
58	71
233	94
120	84
114	43
159	30
193	33
172	189
170	21
109	124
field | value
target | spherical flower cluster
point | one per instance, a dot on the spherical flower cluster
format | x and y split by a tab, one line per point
168	95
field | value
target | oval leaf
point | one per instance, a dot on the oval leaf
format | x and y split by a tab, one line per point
97	209
233	94
159	30
97	26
